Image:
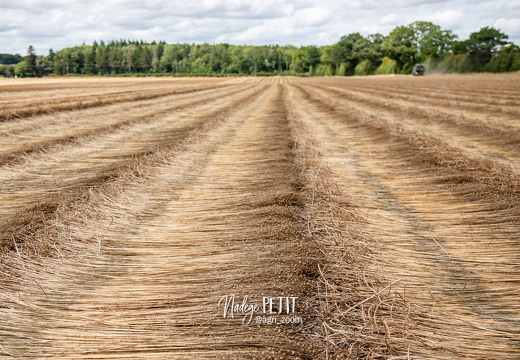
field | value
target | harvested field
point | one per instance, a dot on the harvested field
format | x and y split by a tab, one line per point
386	208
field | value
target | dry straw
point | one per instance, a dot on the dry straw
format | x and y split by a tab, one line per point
141	261
123	224
436	277
37	183
30	105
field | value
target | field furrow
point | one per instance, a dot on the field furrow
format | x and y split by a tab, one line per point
147	270
36	187
490	176
488	88
387	208
451	106
493	140
42	132
439	263
23	108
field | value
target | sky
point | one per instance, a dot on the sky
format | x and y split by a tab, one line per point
58	24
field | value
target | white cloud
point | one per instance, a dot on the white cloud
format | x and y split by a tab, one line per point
234	8
391	4
61	23
512	4
448	19
416	2
390	19
315	16
271	31
508	25
359	4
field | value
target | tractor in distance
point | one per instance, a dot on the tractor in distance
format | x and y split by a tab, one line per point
419	70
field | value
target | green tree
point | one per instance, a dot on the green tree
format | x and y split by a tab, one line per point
115	59
431	40
305	59
388	66
22	69
401	46
137	56
90	62
287	53
31	62
370	49
10	72
63	62
128	59
482	44
157	54
77	61
313	57
101	58
299	63
223	57
9	59
272	60
504	59
278	59
353	49
44	66
326	66
50	57
365	67
159	50
353	54
344	53
421	41
141	59
3	70
167	59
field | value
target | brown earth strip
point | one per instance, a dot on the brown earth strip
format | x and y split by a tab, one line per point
491	88
21	125
451	106
491	139
145	263
450	300
36	188
477	177
90	84
33	107
42	132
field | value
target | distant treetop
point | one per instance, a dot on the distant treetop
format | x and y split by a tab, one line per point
354	54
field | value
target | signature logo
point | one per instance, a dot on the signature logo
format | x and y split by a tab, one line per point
270	308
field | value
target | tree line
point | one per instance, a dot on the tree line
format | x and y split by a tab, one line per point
419	42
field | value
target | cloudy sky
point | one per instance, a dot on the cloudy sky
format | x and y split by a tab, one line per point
62	23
